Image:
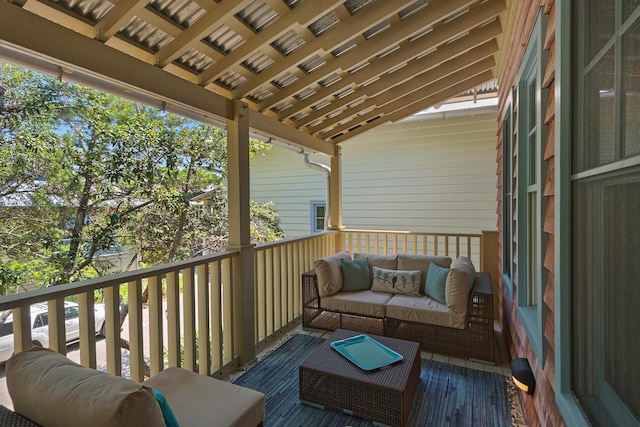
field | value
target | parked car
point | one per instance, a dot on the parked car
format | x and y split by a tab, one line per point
40	329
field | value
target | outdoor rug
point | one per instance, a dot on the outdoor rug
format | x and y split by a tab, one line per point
447	395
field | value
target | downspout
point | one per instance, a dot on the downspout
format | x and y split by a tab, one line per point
327	170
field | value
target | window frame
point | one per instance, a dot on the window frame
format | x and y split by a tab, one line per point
508	185
314	204
531	240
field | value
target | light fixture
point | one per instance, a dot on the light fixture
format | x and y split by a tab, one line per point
523	375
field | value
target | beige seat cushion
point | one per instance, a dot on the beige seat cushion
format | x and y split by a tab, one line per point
421	262
390	262
366	303
422	309
198	400
459	283
329	273
53	391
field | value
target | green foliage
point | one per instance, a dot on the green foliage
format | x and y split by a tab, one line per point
84	172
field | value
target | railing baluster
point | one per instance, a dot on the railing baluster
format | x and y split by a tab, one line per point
261	298
21	328
189	318
136	353
87	329
215	277
154	287
57	336
228	350
204	334
173	319
270	291
112	329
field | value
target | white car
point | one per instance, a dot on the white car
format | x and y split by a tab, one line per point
40	329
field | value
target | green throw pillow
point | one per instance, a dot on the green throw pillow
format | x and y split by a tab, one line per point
167	413
355	274
436	282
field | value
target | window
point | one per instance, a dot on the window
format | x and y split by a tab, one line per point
605	184
6	329
531	203
508	184
318	208
70	313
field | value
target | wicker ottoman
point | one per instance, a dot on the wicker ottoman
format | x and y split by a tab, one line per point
385	395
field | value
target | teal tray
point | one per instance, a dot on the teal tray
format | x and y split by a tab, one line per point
365	352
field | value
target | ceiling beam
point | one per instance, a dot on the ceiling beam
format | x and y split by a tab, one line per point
303	15
430	101
326	42
117	17
439	35
464	45
433	13
216	14
281	132
427	91
70	50
479	57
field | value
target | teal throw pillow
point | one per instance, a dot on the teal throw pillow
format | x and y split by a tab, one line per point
355	274
436	282
167	413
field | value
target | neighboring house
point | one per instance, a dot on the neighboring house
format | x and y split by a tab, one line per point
440	178
569	195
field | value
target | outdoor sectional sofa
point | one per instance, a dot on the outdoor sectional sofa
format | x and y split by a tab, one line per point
447	308
47	389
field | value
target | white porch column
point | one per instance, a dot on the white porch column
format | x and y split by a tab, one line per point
239	232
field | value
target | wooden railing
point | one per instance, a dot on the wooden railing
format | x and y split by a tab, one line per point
188	313
390	242
193	306
278	268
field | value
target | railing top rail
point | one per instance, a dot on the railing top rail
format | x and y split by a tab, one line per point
44	294
350	230
262	246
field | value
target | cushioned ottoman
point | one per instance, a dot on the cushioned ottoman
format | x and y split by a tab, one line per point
53	391
197	400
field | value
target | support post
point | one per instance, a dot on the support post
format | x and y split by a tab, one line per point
335	197
489	263
239	233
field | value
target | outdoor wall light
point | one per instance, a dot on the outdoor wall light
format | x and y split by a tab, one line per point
523	375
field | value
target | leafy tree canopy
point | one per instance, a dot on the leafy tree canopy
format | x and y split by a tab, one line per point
84	172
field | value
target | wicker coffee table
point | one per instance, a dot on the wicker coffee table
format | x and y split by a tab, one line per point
385	395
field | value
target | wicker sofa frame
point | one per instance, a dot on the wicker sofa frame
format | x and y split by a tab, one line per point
475	341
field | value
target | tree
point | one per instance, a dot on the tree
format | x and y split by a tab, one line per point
112	173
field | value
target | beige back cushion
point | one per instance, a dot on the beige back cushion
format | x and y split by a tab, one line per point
390	262
459	283
53	391
422	262
329	273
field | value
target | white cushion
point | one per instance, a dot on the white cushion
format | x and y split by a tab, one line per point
198	400
366	303
459	283
329	273
422	309
421	262
53	391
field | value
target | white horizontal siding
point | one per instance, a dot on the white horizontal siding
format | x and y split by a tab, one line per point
430	176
